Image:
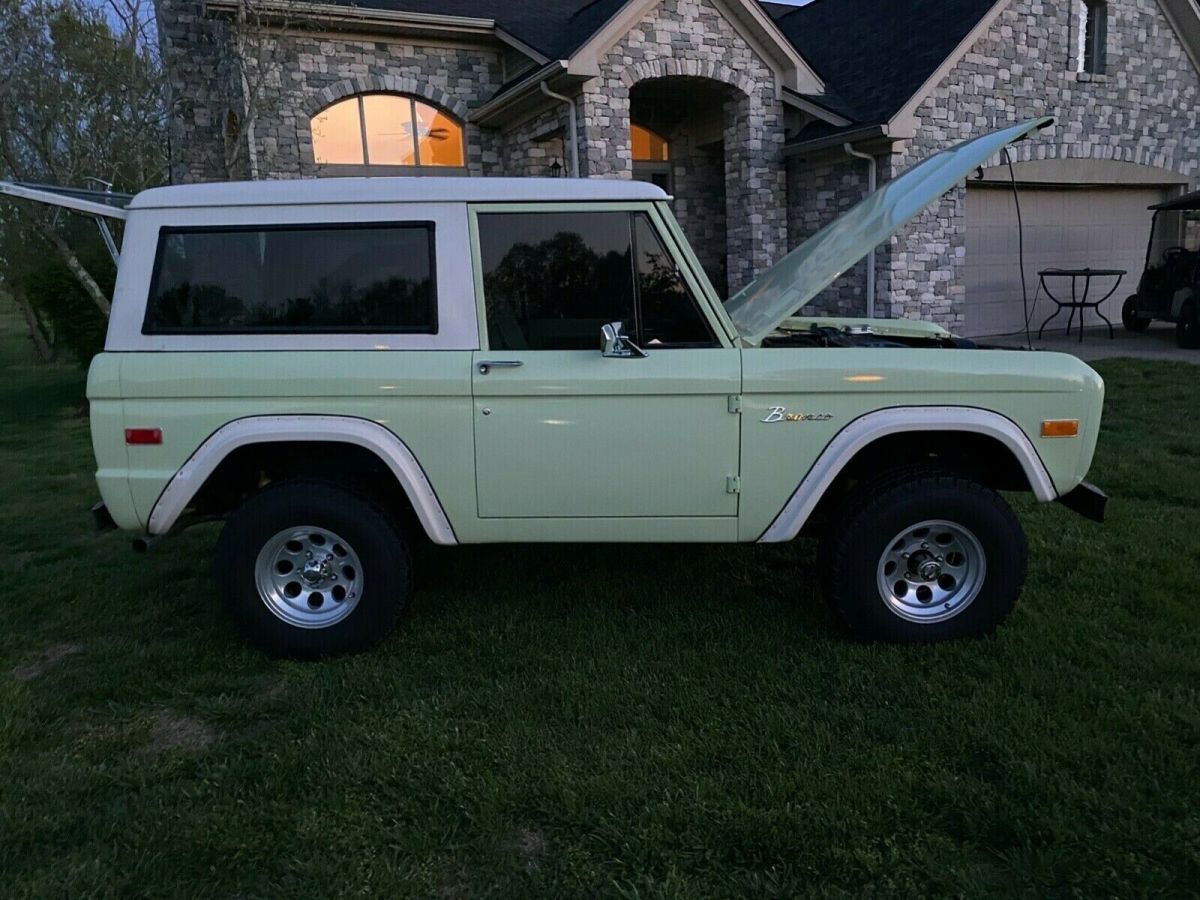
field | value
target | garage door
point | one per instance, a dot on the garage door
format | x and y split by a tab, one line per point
1066	228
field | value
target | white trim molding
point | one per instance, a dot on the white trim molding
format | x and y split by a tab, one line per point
863	431
336	14
267	429
811	108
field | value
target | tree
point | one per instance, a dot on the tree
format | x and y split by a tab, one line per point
243	51
80	101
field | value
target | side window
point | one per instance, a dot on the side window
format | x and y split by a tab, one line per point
667	311
294	279
552	280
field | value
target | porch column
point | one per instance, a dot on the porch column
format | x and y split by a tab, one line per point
755	187
604	150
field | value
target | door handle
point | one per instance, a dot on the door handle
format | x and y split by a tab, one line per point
488	365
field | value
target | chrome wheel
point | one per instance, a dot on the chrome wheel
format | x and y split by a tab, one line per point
309	577
931	572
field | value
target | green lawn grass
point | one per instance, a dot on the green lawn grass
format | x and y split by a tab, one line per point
629	721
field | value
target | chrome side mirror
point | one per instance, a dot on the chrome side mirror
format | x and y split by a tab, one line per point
616	345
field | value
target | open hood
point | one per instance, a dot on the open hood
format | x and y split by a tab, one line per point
779	292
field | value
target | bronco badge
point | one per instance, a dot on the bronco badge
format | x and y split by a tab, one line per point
780	414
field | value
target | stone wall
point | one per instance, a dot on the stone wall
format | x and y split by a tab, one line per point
201	92
698	173
1143	110
295	71
820	190
319	70
532	148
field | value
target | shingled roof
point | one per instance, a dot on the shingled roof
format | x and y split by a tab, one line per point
874	55
554	28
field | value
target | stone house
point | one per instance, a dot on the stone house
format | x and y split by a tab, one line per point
765	121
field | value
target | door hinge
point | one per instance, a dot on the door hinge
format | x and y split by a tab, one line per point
735	403
733	485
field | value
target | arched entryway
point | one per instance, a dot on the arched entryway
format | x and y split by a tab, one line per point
678	129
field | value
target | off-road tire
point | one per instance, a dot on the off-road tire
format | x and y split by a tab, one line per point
1130	319
875	512
1187	329
371	532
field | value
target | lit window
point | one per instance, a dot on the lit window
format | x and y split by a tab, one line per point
648	146
386	130
1093	36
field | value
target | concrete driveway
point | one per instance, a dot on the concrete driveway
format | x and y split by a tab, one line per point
1158	342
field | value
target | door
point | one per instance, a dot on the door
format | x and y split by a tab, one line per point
564	432
1101	228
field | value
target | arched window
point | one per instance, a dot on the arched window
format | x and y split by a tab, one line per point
651	157
386	130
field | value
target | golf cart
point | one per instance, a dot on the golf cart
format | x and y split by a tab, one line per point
1170	286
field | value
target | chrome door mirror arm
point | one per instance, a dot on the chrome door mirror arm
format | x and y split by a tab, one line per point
617	345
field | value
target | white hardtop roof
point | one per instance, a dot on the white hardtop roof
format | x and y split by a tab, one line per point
423	189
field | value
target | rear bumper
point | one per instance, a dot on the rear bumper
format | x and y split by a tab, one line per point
1087	500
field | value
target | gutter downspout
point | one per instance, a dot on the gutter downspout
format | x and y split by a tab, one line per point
872	177
572	126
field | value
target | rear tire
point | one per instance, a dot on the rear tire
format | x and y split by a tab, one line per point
927	558
310	569
1130	319
1187	329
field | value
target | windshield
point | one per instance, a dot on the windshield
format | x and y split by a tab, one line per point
1174	228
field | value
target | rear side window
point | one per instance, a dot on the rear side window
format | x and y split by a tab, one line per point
294	279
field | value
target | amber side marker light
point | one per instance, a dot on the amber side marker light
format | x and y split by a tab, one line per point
143	435
1060	428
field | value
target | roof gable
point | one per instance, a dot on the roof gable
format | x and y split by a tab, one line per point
578	30
755	26
877	54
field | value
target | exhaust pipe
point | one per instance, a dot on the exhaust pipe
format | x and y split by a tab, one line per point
145	544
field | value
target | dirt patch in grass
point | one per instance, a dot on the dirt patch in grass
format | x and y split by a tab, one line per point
47	660
175	731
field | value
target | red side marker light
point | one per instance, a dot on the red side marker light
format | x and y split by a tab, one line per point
143	435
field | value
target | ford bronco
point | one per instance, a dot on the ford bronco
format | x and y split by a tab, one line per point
339	367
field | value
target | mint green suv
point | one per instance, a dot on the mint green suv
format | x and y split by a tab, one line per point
339	368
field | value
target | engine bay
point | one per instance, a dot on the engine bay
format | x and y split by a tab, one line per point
860	336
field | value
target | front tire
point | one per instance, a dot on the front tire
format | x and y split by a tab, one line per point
310	569
927	558
1130	318
1187	329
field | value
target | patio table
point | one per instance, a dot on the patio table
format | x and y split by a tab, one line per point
1078	302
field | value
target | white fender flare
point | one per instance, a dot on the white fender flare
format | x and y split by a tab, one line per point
267	429
869	428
